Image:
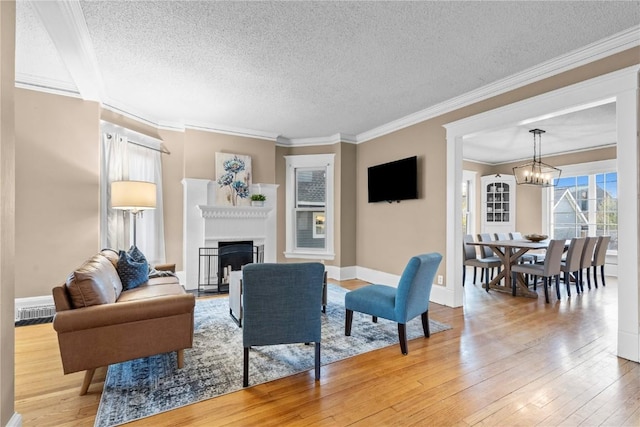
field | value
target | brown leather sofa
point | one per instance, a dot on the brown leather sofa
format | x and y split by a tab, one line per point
99	324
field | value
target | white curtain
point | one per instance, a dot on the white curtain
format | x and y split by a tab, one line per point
122	160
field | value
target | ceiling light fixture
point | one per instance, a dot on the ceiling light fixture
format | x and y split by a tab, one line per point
536	172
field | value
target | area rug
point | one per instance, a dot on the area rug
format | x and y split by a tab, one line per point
148	386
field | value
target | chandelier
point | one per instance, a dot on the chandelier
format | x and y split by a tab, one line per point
536	172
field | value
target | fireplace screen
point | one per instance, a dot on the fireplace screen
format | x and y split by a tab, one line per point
216	264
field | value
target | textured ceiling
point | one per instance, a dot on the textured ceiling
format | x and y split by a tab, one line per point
302	69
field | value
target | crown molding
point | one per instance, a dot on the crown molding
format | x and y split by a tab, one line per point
323	140
43	84
65	24
590	53
246	133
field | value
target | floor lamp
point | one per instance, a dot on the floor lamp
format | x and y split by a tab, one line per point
133	196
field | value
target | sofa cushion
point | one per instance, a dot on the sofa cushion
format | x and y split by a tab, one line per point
149	290
112	255
93	283
133	268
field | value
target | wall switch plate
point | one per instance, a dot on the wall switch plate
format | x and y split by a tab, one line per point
440	279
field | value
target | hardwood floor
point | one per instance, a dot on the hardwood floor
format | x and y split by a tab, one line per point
507	361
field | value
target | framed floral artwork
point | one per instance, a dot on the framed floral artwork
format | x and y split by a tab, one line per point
233	176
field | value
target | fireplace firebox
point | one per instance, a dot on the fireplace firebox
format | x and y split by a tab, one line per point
216	264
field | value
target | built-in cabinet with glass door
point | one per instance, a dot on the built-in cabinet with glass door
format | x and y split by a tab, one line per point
498	203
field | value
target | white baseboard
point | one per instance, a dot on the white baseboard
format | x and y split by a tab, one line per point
629	346
15	420
44	300
375	276
341	273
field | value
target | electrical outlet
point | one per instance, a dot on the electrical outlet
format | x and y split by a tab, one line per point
440	279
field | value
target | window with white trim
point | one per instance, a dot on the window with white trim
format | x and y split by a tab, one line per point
584	202
309	206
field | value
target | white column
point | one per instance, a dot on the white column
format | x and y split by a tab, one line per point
627	111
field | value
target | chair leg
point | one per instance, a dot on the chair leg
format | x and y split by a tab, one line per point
374	319
567	282
425	324
464	274
602	275
475	271
595	276
486	279
588	278
402	335
317	361
546	290
347	323
514	278
88	376
558	289
245	369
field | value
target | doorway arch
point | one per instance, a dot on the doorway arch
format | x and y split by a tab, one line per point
621	87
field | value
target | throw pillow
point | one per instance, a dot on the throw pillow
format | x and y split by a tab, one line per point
133	268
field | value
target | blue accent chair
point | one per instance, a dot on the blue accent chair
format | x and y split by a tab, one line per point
281	305
401	304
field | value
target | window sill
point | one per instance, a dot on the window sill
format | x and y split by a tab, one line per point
310	255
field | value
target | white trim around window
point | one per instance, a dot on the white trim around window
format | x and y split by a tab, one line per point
325	161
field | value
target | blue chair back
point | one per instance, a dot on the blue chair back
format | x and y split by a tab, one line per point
414	288
282	303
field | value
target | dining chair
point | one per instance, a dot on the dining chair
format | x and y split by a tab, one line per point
501	236
599	258
281	305
550	268
410	299
471	259
487	254
571	264
587	260
532	258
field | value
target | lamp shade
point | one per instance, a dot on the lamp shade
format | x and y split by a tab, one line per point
133	195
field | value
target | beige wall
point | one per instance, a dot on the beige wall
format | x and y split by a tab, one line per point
388	234
200	149
7	209
57	188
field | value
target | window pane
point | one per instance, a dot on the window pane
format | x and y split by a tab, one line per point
310	229
581	209
607	207
310	187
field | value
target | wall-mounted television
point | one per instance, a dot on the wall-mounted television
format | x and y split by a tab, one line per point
393	181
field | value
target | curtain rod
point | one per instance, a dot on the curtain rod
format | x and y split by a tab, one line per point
162	149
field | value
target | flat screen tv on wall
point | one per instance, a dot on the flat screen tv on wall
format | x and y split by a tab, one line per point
393	181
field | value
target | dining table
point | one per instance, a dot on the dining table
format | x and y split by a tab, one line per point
509	252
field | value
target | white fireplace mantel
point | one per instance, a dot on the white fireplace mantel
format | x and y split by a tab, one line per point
235	212
206	224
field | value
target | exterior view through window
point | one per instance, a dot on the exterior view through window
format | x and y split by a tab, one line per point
586	205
